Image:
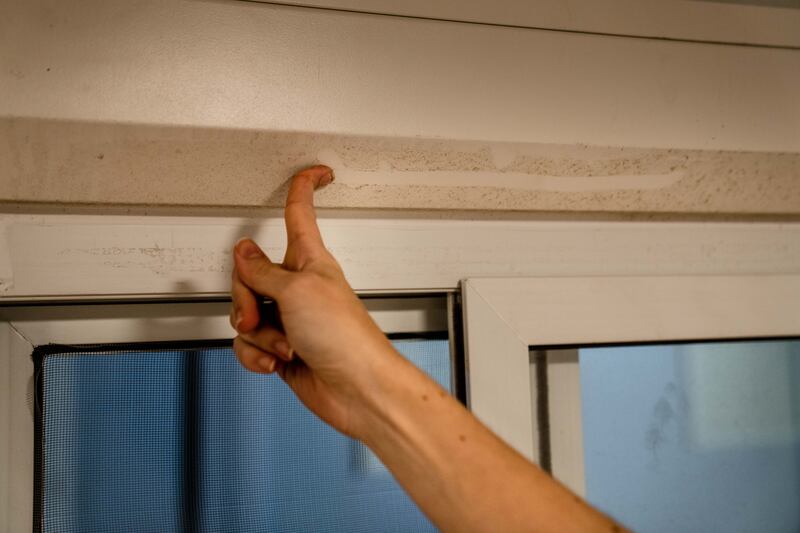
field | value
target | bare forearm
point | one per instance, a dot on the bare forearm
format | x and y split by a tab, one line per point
343	368
461	475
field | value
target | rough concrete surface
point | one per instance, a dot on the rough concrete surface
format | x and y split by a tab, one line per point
80	163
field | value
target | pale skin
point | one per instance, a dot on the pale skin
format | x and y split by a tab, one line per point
344	369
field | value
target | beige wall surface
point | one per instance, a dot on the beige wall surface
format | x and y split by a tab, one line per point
728	21
216	103
81	162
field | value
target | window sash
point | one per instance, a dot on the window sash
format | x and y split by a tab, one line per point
505	317
23	327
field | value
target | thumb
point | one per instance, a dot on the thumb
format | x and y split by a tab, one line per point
256	271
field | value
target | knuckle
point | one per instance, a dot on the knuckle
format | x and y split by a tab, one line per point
329	267
297	209
238	349
305	173
292	206
262	338
262	269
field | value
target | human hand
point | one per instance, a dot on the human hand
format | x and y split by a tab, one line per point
325	346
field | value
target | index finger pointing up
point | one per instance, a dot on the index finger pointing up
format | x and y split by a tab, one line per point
301	220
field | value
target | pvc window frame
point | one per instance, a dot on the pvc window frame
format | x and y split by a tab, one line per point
24	327
506	318
48	259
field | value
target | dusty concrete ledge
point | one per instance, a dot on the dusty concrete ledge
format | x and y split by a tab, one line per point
61	163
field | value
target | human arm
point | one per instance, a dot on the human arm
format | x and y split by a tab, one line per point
345	370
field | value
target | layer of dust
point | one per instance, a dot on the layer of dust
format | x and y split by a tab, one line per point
58	162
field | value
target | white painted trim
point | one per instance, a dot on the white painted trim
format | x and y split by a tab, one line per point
700	21
64	256
16	431
592	310
149	322
499	389
5	425
503	315
566	421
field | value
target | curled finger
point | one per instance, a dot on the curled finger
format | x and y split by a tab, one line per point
244	314
270	339
253	358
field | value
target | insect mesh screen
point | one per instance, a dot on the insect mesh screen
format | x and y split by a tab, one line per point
185	439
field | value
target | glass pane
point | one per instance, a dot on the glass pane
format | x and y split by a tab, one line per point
187	440
694	437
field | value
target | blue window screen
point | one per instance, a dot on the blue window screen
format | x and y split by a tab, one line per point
113	442
694	437
188	440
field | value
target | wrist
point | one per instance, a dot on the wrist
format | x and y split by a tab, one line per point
391	399
373	391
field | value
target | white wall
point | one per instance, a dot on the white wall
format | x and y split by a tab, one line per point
150	102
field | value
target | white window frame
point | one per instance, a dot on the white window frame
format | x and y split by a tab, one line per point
505	317
55	258
77	257
22	328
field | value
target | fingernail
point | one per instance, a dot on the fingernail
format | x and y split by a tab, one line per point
282	347
267	363
238	323
327	179
248	249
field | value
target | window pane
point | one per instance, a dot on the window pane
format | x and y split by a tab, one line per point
694	437
179	440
